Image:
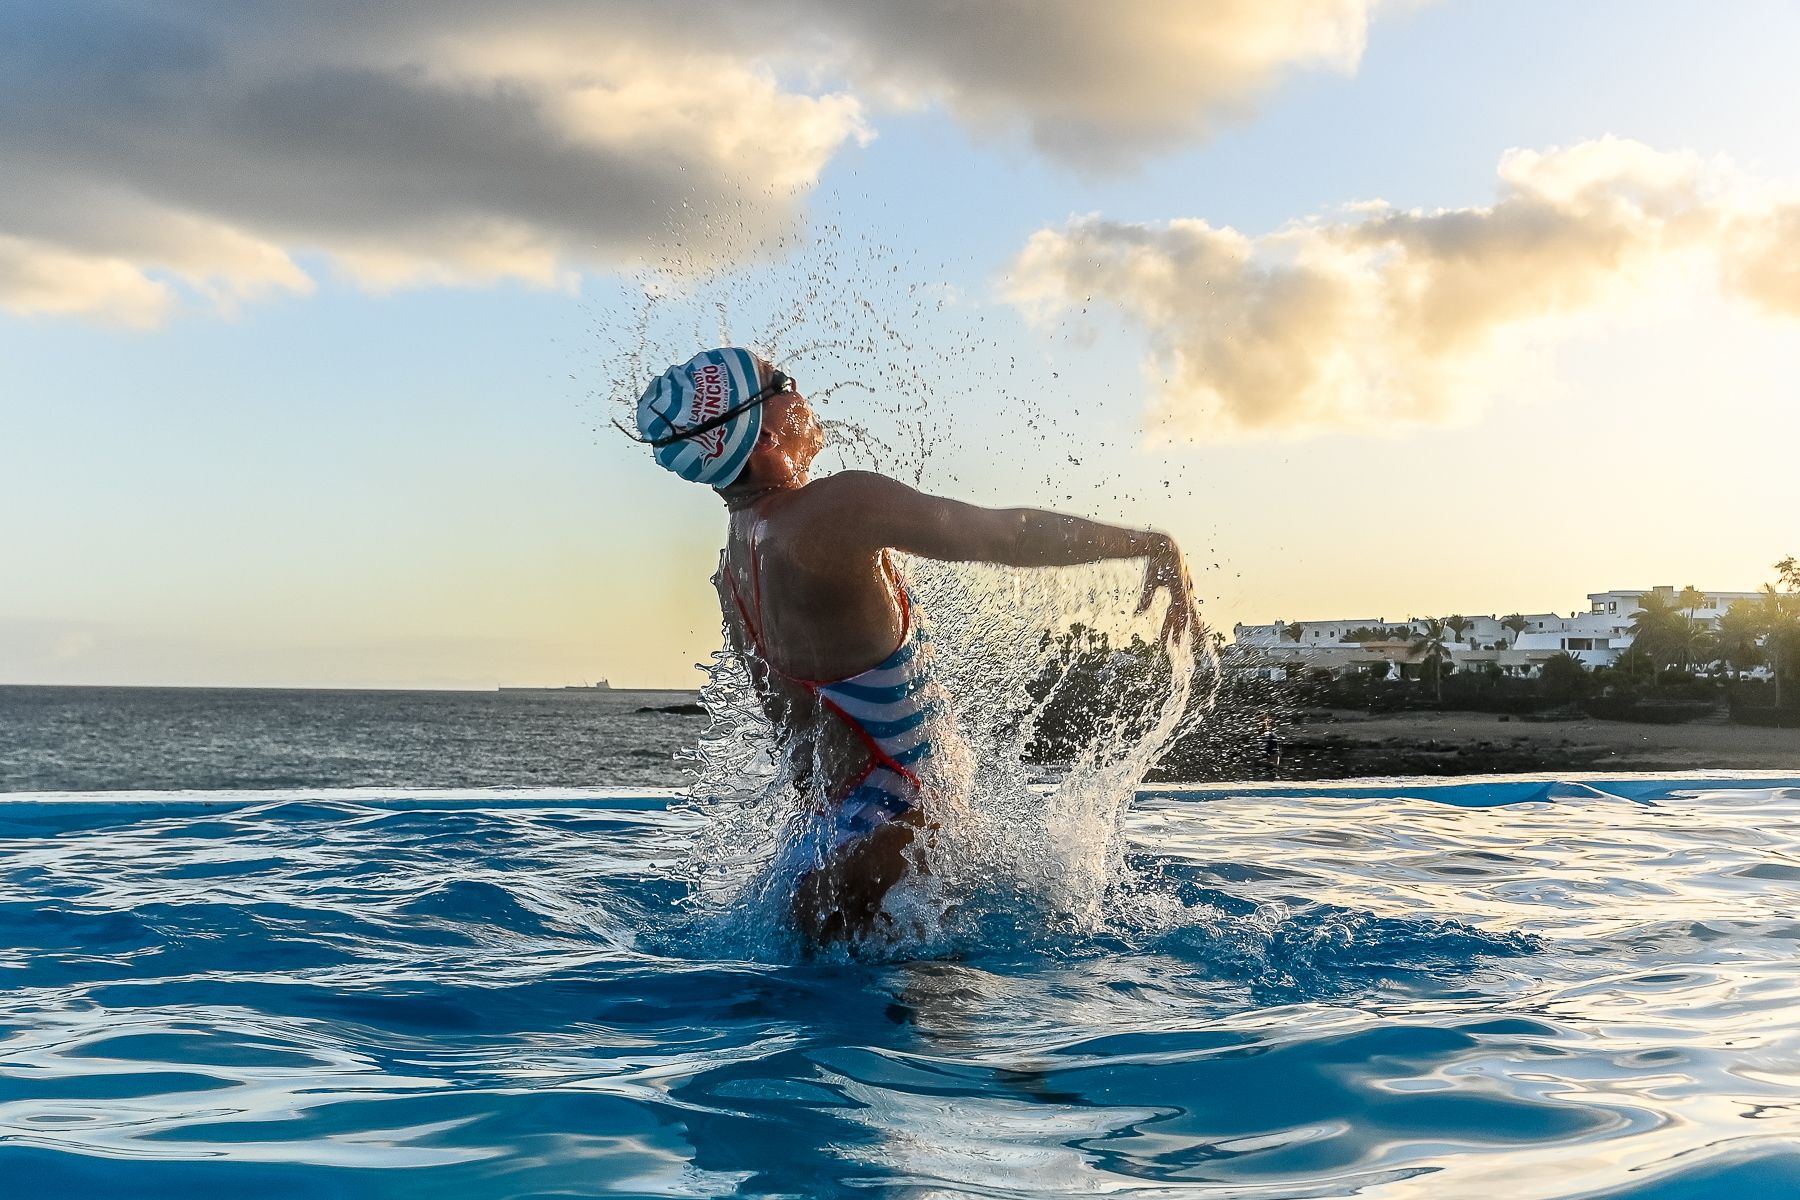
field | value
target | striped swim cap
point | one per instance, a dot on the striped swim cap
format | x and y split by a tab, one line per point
707	386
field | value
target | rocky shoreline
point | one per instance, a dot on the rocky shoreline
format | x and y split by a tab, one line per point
1342	745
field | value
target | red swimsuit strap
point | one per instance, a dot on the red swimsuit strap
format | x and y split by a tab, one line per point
877	756
753	626
749	625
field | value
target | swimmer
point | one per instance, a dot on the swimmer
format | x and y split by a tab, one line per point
817	609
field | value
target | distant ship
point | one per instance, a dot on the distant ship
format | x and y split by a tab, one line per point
601	686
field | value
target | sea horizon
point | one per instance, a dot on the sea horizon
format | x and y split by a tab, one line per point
348	687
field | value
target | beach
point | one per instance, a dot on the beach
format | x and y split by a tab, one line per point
1333	744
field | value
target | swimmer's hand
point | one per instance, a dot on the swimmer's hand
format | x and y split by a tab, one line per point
1165	568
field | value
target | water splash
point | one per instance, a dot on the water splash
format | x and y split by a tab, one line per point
852	317
842	312
1042	841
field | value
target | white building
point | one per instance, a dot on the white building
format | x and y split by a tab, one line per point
1595	638
1623	604
1517	644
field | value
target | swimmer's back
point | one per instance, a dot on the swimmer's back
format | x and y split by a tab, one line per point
824	604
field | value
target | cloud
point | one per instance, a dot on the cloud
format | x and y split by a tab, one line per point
165	153
40	278
1092	90
210	146
1378	315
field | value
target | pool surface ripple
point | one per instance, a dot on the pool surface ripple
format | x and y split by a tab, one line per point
1511	987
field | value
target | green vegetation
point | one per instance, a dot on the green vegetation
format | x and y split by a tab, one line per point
1680	669
1738	640
1091	690
1657	633
1433	652
1378	633
1777	615
1564	678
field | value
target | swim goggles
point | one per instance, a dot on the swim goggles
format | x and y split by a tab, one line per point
779	382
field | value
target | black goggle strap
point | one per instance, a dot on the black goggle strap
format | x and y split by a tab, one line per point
778	383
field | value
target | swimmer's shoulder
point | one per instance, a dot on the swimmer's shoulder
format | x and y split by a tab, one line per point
853	501
847	509
854	486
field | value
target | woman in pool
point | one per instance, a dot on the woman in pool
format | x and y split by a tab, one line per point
815	606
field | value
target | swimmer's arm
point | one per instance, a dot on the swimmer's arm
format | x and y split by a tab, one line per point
1019	537
889	514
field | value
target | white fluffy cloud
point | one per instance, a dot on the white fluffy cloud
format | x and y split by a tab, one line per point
159	152
1380	315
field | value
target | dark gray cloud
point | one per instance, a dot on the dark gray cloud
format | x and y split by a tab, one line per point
145	146
176	147
1095	85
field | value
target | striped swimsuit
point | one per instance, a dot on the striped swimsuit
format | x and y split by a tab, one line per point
889	708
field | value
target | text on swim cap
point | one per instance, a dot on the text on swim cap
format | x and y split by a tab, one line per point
709	402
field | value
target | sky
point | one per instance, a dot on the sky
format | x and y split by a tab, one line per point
313	317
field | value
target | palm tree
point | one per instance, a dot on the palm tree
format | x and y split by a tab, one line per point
1693	630
1658	631
1629	660
1457	624
1565	676
1429	645
1737	639
1699	641
1295	631
1778	616
1518	624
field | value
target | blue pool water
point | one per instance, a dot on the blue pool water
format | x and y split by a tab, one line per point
1506	988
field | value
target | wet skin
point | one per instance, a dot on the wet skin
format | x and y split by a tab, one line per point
827	607
843	897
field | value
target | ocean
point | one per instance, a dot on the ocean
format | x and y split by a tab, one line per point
130	739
